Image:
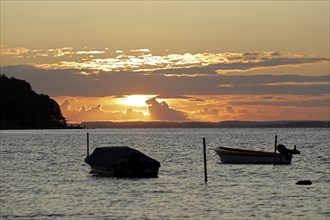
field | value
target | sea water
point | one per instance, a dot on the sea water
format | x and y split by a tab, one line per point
43	176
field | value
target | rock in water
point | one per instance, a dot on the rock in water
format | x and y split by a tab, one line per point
304	182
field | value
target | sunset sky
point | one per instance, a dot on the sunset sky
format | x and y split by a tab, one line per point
172	60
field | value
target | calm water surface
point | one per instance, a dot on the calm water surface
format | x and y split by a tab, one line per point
43	176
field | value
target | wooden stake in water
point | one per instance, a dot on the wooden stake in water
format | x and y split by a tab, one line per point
205	164
275	149
87	144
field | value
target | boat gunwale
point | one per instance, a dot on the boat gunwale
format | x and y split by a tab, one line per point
243	152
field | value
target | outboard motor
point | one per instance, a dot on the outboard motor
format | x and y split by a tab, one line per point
295	151
283	150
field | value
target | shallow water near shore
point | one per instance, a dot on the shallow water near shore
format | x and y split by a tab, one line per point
43	176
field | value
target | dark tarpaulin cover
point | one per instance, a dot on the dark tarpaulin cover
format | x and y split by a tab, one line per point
109	157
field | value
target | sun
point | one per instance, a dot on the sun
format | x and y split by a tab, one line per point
136	100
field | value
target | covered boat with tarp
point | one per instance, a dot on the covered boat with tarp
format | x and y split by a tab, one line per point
122	161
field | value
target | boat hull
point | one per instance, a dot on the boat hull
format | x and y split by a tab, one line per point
123	173
239	156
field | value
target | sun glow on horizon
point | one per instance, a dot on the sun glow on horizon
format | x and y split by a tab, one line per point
136	100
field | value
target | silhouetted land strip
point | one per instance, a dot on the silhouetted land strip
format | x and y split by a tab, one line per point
22	108
223	124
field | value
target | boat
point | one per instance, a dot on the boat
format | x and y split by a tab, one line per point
122	162
242	156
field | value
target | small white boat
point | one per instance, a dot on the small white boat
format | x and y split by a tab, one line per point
241	156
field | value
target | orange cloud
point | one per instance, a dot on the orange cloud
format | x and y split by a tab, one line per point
17	51
162	112
297	83
215	108
205	114
96	113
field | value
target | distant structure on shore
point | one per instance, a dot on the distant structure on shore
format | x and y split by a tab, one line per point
22	108
223	124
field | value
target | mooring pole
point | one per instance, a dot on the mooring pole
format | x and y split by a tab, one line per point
275	149
87	144
205	164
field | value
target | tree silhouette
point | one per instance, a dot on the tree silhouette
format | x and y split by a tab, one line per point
22	108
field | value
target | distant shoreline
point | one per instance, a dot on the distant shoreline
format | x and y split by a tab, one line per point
223	124
164	124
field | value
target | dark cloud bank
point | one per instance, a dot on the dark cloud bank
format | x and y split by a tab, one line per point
70	82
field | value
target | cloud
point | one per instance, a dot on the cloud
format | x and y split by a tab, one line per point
162	112
158	111
60	52
303	101
92	52
142	60
167	96
214	109
230	109
197	100
206	111
205	114
96	113
134	115
68	82
17	51
243	64
297	83
141	50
